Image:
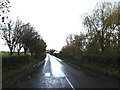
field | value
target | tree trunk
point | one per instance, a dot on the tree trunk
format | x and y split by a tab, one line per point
118	64
11	52
25	51
18	52
102	43
119	42
31	53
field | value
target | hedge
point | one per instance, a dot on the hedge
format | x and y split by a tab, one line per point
15	61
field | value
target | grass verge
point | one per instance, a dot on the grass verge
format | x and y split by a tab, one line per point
98	68
11	74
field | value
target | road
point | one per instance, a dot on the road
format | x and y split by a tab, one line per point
57	74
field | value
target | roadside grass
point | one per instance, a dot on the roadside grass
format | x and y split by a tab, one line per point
4	54
98	68
10	74
7	54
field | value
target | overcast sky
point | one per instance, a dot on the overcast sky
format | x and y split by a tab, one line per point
53	19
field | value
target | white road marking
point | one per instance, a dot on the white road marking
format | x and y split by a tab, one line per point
70	83
47	74
55	63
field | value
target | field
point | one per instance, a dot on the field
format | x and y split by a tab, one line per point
7	54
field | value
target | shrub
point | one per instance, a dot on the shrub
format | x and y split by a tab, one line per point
14	61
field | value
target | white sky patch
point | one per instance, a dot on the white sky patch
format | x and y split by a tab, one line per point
53	19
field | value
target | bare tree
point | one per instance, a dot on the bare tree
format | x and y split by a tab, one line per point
4	9
9	36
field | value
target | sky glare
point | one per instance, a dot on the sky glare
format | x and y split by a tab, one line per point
53	19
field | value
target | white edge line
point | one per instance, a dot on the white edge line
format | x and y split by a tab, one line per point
70	83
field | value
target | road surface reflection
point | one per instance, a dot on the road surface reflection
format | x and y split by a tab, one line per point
56	67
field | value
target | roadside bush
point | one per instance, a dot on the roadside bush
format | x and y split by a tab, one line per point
40	56
14	61
103	60
106	61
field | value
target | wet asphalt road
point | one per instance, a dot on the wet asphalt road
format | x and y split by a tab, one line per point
57	74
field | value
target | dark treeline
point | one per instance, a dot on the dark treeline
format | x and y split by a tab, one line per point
102	39
18	35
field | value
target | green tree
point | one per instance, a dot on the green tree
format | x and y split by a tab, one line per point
27	34
32	41
40	48
97	23
18	33
75	45
113	23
